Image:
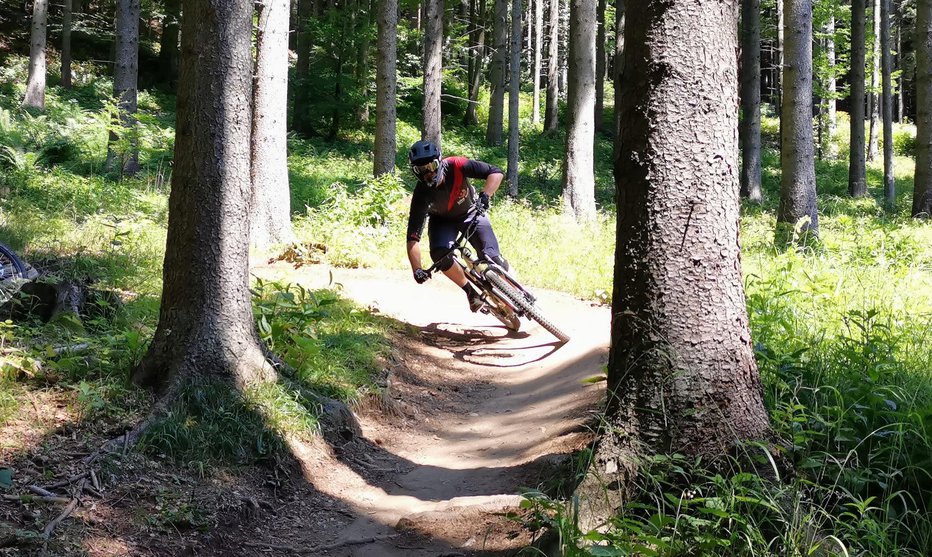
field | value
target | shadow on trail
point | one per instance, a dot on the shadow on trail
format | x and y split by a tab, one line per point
476	346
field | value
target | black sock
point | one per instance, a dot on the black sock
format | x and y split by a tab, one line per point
469	290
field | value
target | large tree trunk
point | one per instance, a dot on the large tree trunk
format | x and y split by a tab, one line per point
780	59
551	111
798	210
873	102
514	99
168	44
599	65
206	326
922	185
270	221
494	127
889	188
123	149
579	169
477	55
681	374
750	102
538	57
386	76
35	84
901	80
433	77
857	167
66	45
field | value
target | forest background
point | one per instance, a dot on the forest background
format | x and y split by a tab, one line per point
840	315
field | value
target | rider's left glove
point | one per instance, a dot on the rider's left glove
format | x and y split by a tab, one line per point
483	203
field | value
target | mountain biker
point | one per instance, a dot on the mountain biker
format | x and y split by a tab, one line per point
443	193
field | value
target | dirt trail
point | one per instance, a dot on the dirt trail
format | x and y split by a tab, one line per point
476	413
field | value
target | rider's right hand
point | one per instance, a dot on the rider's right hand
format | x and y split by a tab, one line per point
421	276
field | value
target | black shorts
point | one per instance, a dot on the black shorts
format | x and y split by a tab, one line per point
443	232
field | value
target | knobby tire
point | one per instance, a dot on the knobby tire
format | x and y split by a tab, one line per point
501	310
10	265
522	303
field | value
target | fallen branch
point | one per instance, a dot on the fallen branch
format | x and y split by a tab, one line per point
69	481
47	531
43	492
26	498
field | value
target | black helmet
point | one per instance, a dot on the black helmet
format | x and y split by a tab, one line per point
425	157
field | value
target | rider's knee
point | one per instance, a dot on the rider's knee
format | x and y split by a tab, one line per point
446	258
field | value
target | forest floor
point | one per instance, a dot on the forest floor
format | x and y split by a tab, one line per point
471	415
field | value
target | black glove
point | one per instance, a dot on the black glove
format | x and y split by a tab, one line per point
483	203
421	276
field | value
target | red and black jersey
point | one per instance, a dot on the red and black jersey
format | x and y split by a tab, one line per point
452	198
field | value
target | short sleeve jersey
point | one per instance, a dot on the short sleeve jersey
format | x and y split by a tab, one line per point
454	197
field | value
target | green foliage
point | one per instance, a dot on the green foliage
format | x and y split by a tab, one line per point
332	346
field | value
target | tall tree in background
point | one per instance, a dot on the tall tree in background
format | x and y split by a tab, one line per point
889	188
361	68
386	76
922	184
618	64
168	42
301	120
123	148
873	99
496	122
551	116
270	219
66	44
538	57
579	169
514	99
831	87
433	76
35	84
206	326
749	126
476	57
857	166
600	66
798	210
681	375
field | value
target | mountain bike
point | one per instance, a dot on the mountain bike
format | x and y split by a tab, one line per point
10	265
502	295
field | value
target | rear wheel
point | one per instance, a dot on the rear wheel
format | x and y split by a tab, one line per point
526	306
10	265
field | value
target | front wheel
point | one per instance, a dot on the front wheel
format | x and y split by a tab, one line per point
10	265
502	311
525	305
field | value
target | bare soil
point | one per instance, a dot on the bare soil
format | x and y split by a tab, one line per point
471	415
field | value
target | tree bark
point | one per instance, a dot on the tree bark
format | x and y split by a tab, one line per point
66	45
599	65
797	211
889	188
551	112
494	127
579	169
538	57
123	148
270	221
514	99
301	120
922	184
362	62
433	78
206	326
832	89
168	44
899	65
857	168
477	41
35	84
873	102
386	76
681	374
618	66
750	102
